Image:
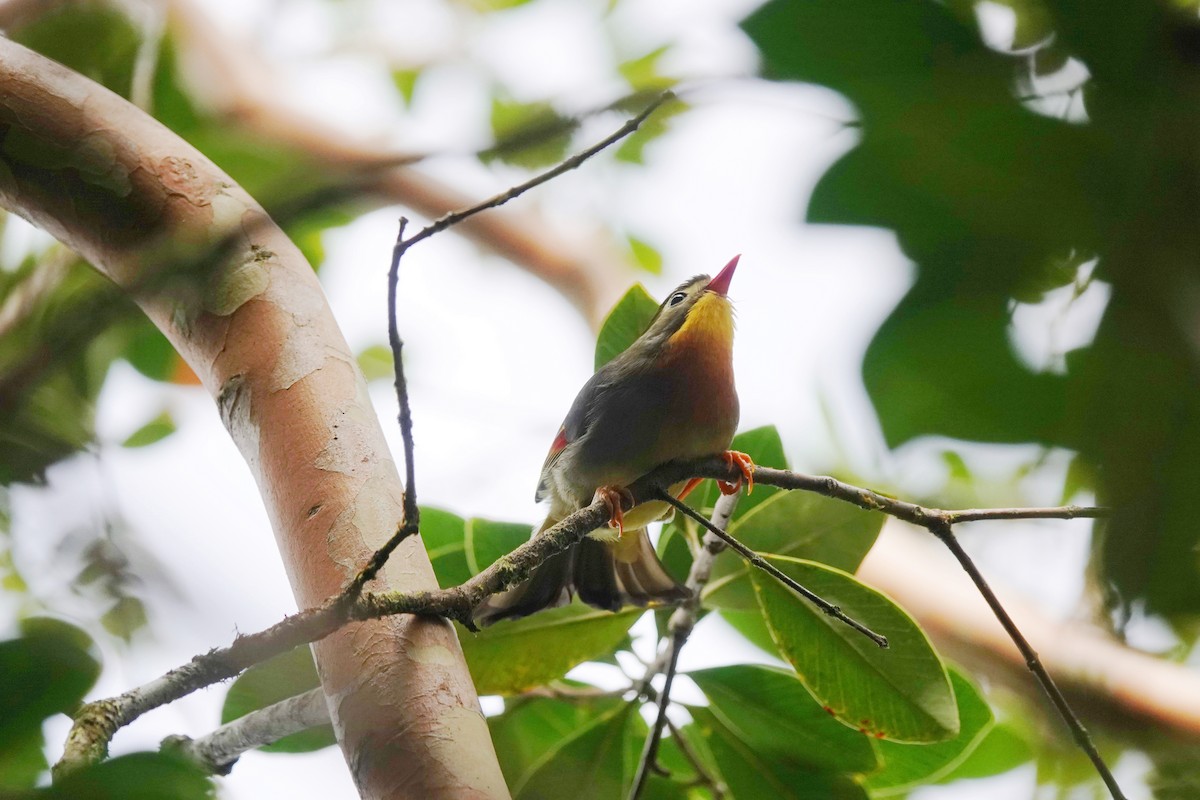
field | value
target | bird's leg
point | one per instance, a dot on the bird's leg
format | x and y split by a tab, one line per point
743	463
614	497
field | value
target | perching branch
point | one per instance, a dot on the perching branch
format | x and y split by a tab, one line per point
680	626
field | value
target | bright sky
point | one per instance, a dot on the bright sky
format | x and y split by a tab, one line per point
495	357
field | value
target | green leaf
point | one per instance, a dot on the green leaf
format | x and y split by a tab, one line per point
153	431
753	627
485	541
444	535
375	362
138	776
902	693
53	665
749	774
645	255
632	149
93	39
624	324
642	73
125	617
798	524
530	135
149	351
772	713
511	657
589	764
286	675
530	728
405	81
907	765
1002	748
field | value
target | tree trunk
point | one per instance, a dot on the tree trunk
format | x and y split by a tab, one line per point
238	300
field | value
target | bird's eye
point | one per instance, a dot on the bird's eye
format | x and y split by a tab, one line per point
676	299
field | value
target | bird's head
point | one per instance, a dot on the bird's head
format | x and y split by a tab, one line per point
700	307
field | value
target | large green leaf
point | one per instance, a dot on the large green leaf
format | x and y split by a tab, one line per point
514	656
45	672
901	693
798	524
750	775
627	321
773	714
137	776
907	765
590	763
531	727
444	535
485	541
286	675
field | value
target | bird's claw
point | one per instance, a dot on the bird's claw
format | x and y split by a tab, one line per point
615	497
745	464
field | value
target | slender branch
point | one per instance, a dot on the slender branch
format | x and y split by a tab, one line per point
648	761
98	721
766	566
218	751
703	776
943	531
566	166
681	624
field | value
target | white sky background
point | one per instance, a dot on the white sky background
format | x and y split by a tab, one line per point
494	357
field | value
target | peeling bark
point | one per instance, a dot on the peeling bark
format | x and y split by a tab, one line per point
237	299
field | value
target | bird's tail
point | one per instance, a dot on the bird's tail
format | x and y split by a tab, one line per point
608	574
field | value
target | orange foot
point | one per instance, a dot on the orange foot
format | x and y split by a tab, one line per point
743	463
615	497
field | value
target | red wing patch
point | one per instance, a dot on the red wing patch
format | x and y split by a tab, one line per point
560	441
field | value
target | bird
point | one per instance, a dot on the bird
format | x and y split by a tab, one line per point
670	395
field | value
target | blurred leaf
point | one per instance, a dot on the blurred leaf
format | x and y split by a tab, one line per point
624	324
799	524
530	135
375	361
125	617
286	675
646	256
93	38
495	5
485	541
633	148
444	535
53	666
138	776
1001	748
499	657
405	81
153	431
750	775
149	351
775	716
591	763
642	73
902	693
907	765
530	728
307	227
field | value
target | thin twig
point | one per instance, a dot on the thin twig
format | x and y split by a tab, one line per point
648	761
566	166
680	626
703	776
758	561
945	534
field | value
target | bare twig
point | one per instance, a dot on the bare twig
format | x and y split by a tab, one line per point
943	531
680	626
566	166
766	566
